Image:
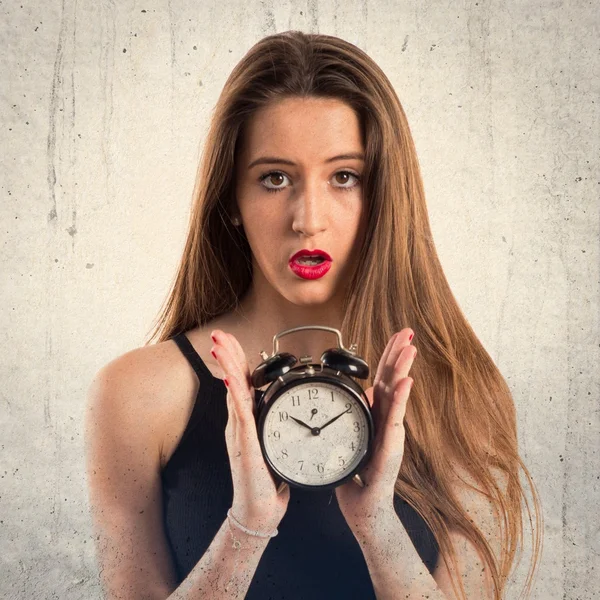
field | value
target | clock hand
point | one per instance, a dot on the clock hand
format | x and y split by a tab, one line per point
301	423
313	430
332	420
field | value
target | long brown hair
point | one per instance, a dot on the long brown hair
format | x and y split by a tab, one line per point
461	419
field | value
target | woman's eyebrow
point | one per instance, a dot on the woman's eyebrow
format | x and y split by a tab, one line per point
276	160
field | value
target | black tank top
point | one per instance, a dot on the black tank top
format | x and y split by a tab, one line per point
314	555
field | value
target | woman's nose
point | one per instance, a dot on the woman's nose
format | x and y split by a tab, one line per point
310	208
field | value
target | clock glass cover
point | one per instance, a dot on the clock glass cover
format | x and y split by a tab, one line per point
315	433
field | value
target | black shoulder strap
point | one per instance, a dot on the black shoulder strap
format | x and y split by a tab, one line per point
202	371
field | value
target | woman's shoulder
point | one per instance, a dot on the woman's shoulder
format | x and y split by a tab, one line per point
156	387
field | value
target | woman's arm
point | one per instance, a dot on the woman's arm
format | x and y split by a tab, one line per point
123	437
397	570
395	567
223	572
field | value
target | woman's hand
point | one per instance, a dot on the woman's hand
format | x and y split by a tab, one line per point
256	503
364	508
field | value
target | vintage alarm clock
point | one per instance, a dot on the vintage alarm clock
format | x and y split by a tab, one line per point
314	422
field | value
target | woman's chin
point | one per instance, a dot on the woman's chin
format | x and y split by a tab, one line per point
313	295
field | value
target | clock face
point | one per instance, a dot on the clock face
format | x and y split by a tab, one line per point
303	441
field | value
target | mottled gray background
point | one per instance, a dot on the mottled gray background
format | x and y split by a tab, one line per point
105	106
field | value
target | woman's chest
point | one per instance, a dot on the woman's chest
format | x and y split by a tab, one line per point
313	555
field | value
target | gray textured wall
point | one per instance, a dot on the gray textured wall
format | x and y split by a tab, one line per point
104	109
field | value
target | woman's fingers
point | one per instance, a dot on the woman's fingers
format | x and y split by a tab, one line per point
391	353
391	369
392	438
255	499
244	373
403	365
382	361
389	445
240	395
391	389
237	364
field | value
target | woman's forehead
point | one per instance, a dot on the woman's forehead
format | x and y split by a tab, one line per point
319	128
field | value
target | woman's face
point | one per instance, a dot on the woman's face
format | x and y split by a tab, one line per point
293	193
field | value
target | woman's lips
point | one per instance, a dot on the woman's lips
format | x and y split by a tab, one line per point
315	252
310	271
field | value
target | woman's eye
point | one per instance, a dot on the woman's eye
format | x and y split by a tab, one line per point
275	177
346	173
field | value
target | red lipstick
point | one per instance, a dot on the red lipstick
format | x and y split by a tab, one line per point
310	271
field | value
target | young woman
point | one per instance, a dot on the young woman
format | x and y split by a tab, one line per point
309	149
